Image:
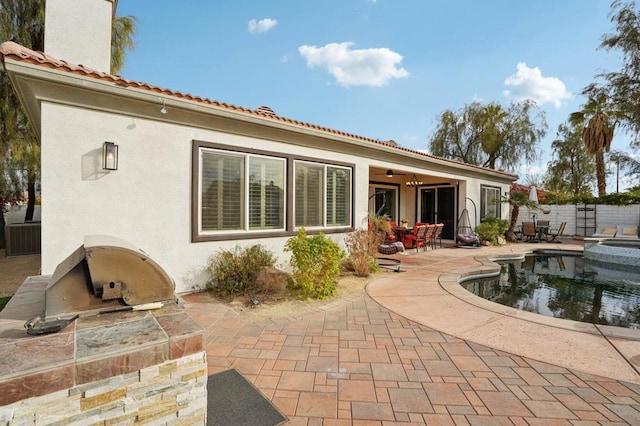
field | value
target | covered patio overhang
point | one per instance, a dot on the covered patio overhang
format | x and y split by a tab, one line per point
407	194
434	191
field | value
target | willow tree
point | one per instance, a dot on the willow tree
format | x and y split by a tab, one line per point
571	170
597	119
490	135
23	22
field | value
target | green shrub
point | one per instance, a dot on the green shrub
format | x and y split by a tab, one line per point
362	246
614	199
490	228
316	264
234	271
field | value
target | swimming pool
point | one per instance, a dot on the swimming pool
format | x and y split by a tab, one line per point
566	286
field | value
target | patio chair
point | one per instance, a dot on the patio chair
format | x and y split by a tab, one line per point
627	232
417	239
605	231
542	226
390	237
555	233
429	236
407	236
437	235
529	231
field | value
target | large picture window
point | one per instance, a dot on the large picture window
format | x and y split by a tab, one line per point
383	200
322	195
249	193
241	192
489	201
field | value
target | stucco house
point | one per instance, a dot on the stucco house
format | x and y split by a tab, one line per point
194	175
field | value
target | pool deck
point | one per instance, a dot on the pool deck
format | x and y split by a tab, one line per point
429	292
416	348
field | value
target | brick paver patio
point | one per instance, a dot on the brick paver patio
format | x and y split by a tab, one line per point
355	362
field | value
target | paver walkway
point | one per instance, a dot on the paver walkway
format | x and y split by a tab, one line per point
356	362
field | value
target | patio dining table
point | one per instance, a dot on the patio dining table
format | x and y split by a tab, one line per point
402	231
542	231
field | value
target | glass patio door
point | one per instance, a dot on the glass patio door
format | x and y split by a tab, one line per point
438	205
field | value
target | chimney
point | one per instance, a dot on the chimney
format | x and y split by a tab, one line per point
79	32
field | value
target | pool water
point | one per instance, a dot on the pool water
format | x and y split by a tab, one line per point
565	286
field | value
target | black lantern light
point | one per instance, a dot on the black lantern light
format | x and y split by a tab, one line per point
110	156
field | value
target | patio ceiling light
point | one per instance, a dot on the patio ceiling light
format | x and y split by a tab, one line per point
414	181
109	156
389	173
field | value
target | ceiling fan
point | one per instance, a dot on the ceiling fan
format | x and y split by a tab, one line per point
390	173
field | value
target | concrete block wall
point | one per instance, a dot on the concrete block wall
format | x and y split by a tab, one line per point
556	215
605	215
15	214
171	393
618	215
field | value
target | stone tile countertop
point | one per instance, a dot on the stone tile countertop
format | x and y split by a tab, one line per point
91	348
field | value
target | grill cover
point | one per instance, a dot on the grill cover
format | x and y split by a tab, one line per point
105	272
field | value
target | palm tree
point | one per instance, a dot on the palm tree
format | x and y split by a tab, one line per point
598	122
517	199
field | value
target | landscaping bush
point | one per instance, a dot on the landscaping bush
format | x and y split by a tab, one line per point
362	246
316	264
491	228
614	199
234	271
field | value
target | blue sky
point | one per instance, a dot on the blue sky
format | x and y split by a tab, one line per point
383	69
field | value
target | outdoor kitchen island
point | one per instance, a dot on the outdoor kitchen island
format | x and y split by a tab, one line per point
121	367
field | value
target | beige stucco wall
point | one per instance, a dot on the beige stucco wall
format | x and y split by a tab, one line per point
147	201
79	32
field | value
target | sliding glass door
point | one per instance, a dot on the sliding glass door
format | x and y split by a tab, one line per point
438	205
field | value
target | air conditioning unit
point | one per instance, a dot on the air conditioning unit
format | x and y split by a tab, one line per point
22	238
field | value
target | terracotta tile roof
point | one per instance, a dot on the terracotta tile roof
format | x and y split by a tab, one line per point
20	53
515	186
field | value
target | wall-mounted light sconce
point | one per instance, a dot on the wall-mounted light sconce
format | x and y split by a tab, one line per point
414	181
109	156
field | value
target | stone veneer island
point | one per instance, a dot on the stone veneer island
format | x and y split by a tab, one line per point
116	368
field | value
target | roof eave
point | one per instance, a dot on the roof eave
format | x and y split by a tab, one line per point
23	73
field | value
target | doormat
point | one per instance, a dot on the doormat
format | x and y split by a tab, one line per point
233	400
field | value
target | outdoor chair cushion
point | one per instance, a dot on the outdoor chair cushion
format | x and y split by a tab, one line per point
605	231
627	232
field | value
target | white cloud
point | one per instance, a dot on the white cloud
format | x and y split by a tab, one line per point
355	67
261	26
528	83
530	170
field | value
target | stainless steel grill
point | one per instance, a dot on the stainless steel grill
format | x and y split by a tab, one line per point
104	274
